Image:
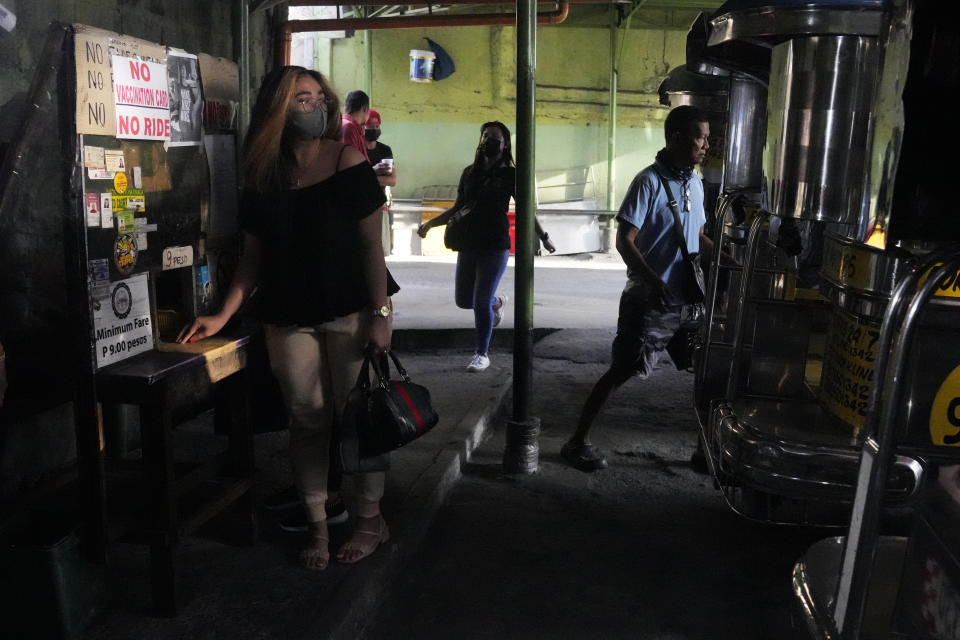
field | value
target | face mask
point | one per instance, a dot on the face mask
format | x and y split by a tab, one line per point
491	147
371	135
307	125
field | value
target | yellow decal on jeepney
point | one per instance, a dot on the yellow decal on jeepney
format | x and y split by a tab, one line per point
846	265
949	286
945	412
848	361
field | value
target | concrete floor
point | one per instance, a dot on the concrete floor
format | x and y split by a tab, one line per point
645	549
580	291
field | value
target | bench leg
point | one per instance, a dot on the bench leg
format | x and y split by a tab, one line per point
237	394
161	500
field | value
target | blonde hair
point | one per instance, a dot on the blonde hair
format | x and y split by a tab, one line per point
267	150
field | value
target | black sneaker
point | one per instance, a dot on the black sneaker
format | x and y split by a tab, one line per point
282	500
583	457
297	522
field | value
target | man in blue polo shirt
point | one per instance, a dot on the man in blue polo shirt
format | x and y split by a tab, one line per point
652	305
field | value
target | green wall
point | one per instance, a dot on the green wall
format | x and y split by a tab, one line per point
434	127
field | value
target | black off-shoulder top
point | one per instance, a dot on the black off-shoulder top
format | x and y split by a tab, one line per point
311	270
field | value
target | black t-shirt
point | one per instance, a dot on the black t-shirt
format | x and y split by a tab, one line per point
379	152
486	226
311	269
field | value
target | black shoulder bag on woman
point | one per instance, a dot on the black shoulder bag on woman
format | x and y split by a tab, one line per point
686	339
455	233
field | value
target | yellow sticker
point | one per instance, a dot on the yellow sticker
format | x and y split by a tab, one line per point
120	182
849	357
945	412
846	265
949	287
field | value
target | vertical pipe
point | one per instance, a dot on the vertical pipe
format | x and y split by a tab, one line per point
526	206
612	115
521	453
368	51
242	52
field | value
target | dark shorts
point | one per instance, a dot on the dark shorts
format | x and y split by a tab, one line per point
644	328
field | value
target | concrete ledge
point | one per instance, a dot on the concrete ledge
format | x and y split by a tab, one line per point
360	592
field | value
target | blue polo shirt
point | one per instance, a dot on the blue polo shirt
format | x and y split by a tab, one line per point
645	207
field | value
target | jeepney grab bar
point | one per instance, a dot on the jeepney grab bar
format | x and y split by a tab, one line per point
753	243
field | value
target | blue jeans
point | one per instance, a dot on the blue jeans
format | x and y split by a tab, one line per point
478	274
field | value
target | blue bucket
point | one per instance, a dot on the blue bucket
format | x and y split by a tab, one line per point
421	65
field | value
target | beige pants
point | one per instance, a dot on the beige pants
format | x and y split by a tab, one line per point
317	367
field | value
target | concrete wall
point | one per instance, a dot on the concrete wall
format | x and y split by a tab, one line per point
33	444
434	127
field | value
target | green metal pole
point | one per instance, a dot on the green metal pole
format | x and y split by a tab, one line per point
368	49
612	115
521	453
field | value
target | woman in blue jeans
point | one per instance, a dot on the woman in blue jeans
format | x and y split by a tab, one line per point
483	234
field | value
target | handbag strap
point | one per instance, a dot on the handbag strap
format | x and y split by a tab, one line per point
400	369
677	224
363	378
383	373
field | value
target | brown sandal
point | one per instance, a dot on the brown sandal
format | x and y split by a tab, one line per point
316	555
364	541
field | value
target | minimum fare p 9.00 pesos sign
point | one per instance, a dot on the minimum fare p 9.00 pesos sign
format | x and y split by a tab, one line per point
141	98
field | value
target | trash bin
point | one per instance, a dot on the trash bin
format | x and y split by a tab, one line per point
50	591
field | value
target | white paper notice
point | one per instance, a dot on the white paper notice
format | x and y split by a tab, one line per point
106	210
142	102
113	159
176	257
100	174
93	210
93	157
121	320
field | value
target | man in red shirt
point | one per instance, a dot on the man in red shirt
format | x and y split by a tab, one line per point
356	109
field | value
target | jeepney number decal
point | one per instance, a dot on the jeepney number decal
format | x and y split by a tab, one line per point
945	412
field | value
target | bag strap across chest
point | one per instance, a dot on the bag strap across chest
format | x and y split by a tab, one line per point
677	223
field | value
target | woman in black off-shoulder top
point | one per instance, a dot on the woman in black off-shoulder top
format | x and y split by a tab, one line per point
311	222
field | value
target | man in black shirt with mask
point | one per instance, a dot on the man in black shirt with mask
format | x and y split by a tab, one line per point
381	156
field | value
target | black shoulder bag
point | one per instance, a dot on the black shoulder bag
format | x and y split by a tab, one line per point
454	234
694	288
686	340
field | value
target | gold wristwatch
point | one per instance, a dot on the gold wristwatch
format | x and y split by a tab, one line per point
382	311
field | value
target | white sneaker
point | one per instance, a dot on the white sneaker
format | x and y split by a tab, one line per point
498	310
479	363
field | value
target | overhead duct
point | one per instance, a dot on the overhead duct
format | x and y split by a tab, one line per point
286	29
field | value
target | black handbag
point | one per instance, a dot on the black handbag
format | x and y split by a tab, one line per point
346	456
387	414
455	232
694	284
